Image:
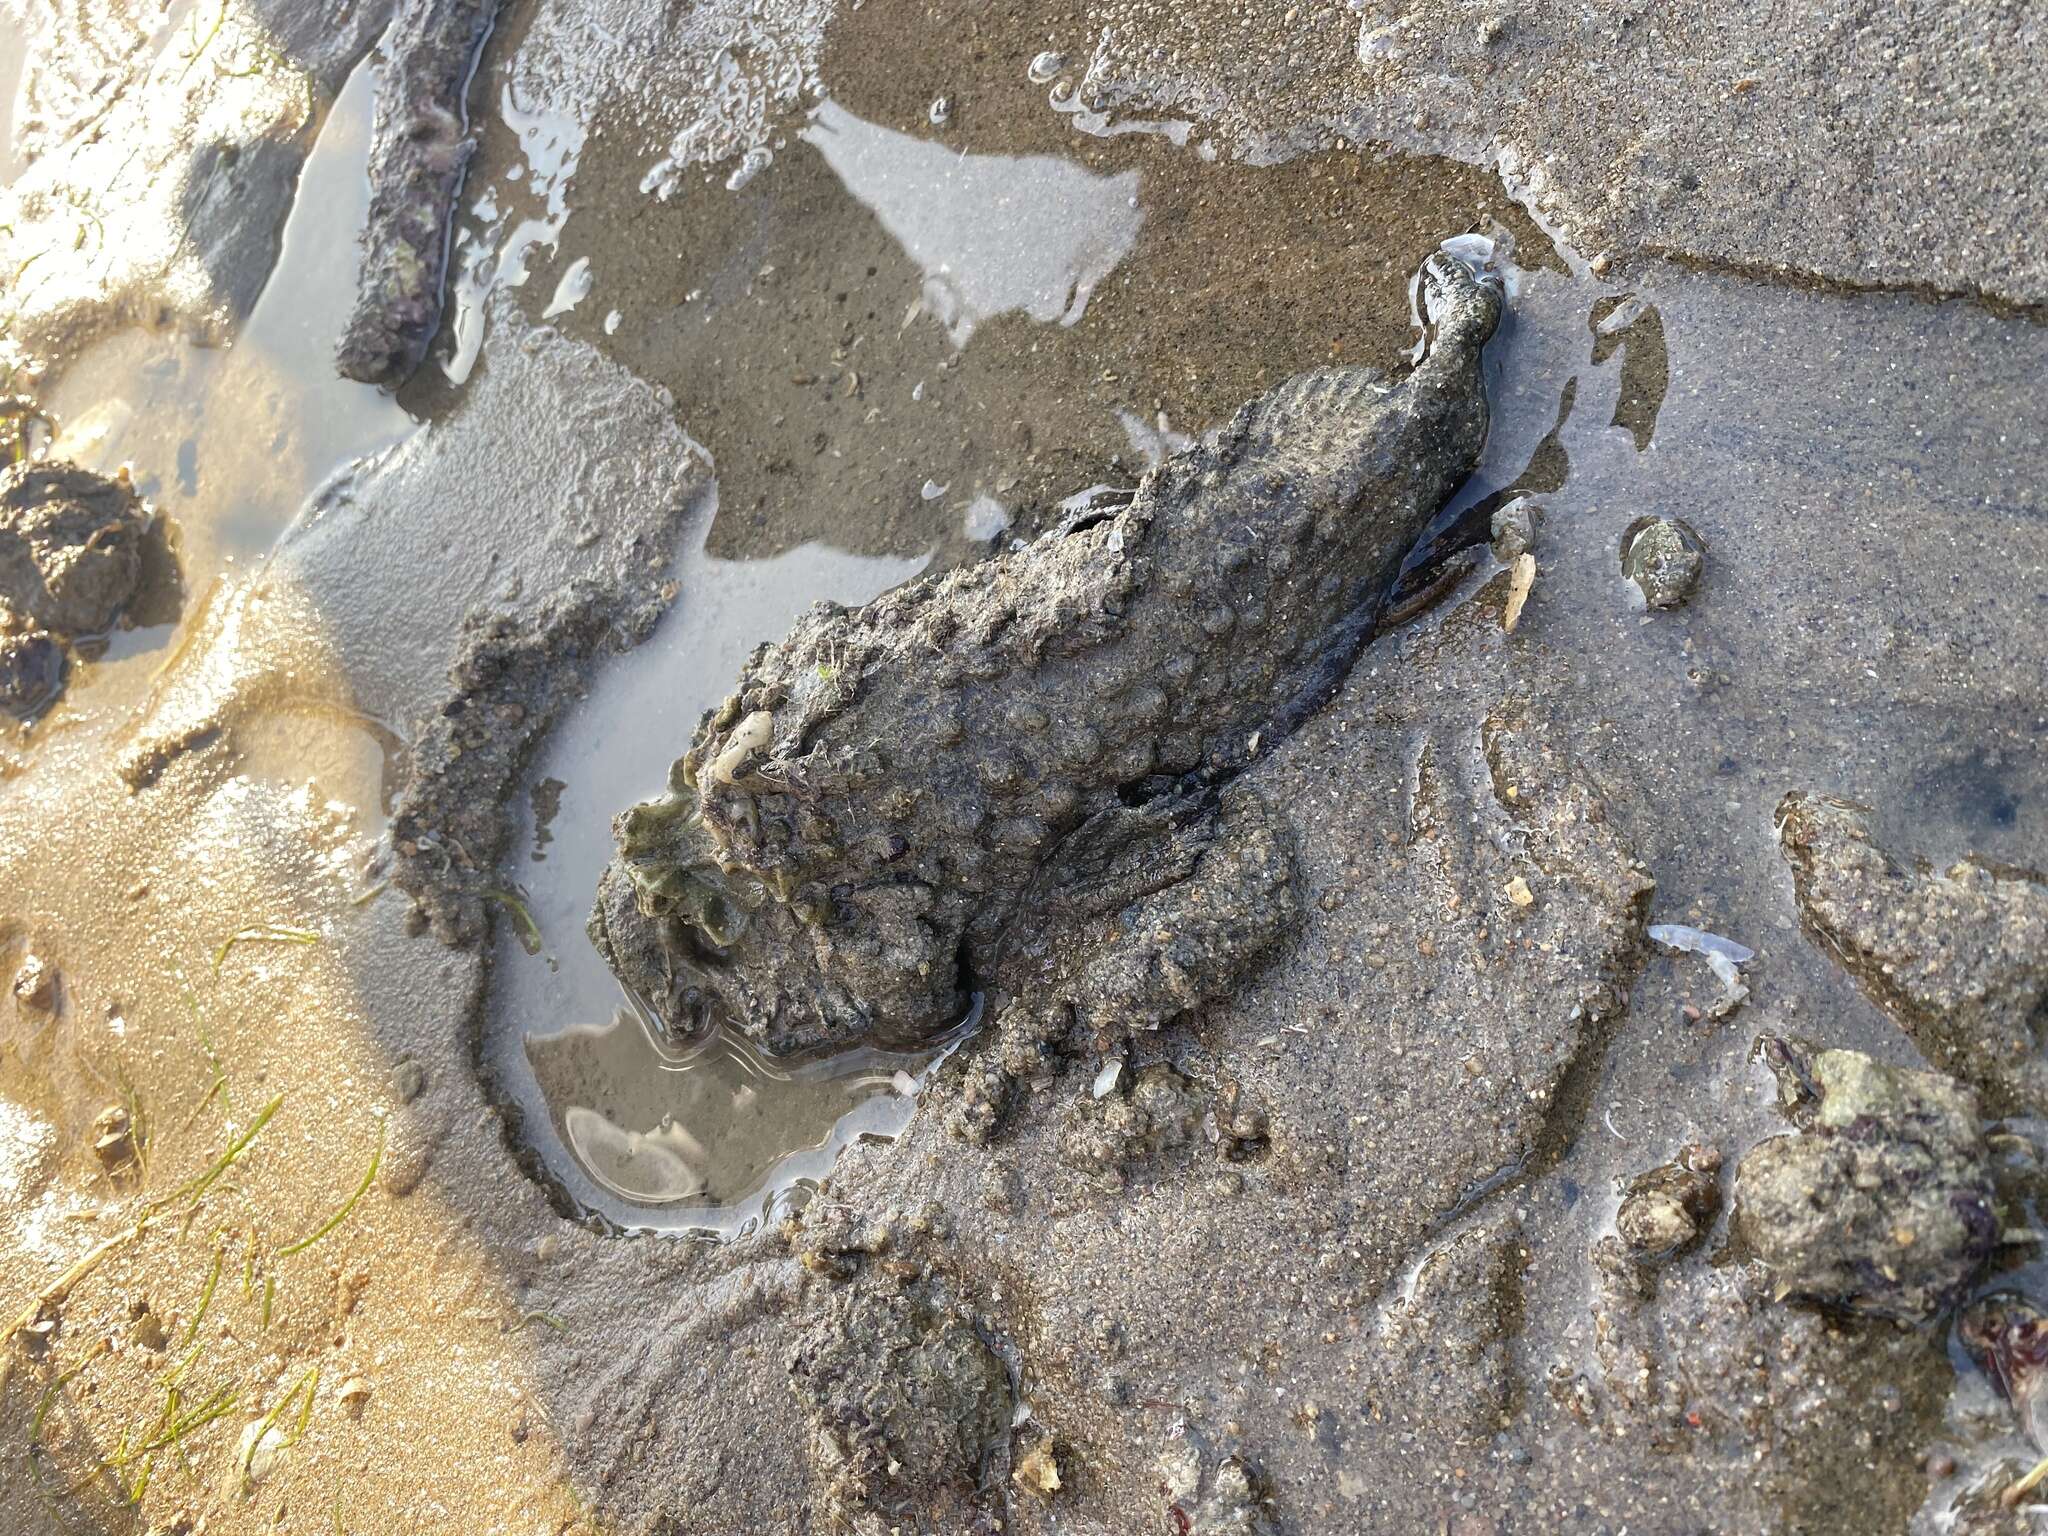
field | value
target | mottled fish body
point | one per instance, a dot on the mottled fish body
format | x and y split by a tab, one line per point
853	829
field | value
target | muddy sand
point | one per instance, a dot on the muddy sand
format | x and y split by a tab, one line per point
1636	1124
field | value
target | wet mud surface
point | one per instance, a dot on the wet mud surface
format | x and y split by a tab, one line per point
1475	1209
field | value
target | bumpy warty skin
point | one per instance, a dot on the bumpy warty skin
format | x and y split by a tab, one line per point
855	826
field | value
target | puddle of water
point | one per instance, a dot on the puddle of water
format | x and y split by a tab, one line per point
513	219
640	1132
231	442
991	233
244	434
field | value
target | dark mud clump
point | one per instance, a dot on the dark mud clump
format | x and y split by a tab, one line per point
1882	1204
908	1405
419	149
77	550
1958	958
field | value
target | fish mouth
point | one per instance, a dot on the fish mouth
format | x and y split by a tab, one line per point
670	967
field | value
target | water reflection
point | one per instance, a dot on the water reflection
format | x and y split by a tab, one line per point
992	233
247	432
633	1128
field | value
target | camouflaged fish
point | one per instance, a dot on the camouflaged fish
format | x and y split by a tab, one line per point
860	831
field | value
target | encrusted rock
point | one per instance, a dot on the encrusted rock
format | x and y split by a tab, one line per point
419	149
1664	557
1665	1211
1959	958
908	1405
2007	1335
1161	1114
1882	1202
1217	1496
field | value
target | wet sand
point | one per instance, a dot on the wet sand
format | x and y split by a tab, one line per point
796	360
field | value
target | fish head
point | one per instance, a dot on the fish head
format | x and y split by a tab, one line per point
706	944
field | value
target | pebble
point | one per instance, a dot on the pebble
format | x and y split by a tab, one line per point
1664	557
35	984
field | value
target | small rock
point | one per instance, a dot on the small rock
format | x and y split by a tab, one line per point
1520	894
1046	67
941	111
1664	557
113	1136
35	985
146	1328
354	1396
1882	1203
1038	1470
1666	1210
408	1080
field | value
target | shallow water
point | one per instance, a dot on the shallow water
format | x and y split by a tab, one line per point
228	443
644	1133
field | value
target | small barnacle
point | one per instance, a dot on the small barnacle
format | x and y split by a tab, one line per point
1076	747
1133	761
1001	769
1019	834
750	736
1025	718
1058	799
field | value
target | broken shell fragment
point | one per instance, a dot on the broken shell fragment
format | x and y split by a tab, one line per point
35	984
751	735
353	1396
1038	1470
1513	529
1521	578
